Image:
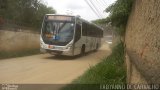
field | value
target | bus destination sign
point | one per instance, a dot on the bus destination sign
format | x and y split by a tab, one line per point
59	18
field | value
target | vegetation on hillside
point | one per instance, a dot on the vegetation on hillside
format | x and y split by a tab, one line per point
110	71
27	13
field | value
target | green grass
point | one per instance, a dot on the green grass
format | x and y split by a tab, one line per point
12	54
110	71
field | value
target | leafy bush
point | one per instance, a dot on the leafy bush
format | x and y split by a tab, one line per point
109	72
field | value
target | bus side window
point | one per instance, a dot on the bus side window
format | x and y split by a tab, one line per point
77	32
84	29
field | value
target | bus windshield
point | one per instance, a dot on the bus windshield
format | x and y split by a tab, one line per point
57	32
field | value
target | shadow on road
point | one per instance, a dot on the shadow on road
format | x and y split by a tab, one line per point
63	57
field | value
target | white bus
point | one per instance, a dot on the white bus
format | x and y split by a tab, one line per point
69	35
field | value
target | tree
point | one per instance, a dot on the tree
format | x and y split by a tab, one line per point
26	12
119	13
41	11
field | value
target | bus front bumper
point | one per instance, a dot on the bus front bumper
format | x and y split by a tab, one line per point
57	52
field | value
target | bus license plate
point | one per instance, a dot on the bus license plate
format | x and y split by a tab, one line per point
50	46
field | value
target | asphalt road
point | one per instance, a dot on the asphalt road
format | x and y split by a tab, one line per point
48	69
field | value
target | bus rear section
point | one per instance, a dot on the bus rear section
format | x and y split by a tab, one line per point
57	34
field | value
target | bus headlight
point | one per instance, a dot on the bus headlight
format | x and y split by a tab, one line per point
68	47
41	44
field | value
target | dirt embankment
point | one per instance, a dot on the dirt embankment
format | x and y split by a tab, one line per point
143	41
15	41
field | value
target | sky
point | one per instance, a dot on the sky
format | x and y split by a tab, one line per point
81	8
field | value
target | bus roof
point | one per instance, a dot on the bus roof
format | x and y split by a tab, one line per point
60	15
77	17
91	23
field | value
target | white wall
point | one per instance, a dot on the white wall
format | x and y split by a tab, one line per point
13	41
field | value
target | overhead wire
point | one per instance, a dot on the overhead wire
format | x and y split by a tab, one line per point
97	14
100	4
100	7
104	2
96	8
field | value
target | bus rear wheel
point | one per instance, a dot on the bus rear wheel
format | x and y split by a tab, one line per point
83	50
97	46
